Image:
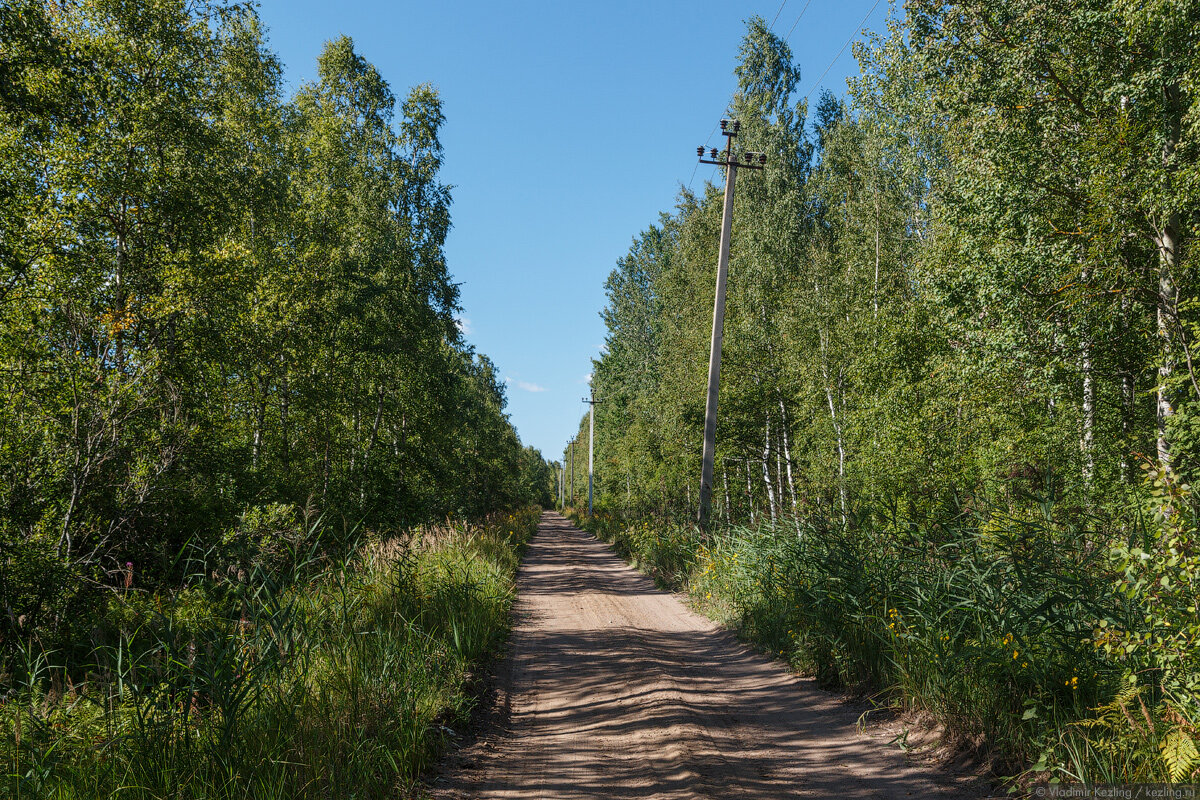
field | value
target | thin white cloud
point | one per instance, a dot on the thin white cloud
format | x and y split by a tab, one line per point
586	378
464	325
530	387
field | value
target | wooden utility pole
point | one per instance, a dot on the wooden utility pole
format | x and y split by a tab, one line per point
731	161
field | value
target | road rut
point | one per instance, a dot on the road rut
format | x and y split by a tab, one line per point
615	689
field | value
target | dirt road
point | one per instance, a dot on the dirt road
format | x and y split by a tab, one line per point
614	689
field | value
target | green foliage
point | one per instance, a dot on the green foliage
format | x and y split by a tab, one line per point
1161	575
338	679
219	306
982	619
940	283
228	347
267	538
961	307
666	552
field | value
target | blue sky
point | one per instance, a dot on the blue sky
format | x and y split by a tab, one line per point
569	127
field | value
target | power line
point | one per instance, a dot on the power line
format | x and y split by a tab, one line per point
708	138
839	53
777	13
808	95
797	22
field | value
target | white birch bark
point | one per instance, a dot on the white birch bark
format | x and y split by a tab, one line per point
725	485
1089	415
749	492
1166	236
766	469
787	460
837	429
1167	239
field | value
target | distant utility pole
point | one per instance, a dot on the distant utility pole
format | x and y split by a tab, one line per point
731	161
591	438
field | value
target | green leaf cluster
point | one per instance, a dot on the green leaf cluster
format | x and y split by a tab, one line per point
216	299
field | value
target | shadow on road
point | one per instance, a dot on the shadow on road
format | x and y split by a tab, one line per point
619	691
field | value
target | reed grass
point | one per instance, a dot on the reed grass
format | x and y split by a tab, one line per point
990	620
339	677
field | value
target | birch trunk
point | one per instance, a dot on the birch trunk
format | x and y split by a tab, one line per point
1088	402
1089	416
749	492
120	295
260	413
787	459
779	475
725	486
766	469
837	429
1166	236
284	407
1167	240
875	285
374	428
1127	403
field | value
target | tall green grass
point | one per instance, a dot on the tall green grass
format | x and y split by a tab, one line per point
999	622
337	678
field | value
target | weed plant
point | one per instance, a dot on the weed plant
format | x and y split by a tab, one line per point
328	677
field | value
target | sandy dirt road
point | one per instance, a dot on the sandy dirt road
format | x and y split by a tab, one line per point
614	689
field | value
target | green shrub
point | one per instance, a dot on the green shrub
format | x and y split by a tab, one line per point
1150	727
1034	633
269	537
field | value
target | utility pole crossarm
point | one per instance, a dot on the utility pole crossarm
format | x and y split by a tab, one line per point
748	163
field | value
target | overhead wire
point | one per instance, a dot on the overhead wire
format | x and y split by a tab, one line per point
797	22
777	13
707	139
844	46
799	17
771	27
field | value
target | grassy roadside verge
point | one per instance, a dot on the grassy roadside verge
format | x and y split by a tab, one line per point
1066	653
335	678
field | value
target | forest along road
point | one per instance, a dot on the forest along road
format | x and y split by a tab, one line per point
615	689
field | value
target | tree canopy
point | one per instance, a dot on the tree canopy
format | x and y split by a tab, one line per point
216	299
971	274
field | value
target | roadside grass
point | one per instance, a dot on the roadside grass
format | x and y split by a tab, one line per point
1025	633
337	678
